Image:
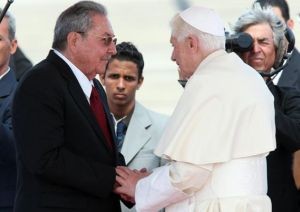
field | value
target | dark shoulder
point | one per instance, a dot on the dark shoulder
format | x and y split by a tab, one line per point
289	97
288	91
43	77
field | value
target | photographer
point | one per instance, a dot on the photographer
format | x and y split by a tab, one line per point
290	76
269	47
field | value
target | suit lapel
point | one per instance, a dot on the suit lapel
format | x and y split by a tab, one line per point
77	94
289	74
7	88
7	84
137	135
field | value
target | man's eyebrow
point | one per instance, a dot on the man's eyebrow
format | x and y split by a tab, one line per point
264	39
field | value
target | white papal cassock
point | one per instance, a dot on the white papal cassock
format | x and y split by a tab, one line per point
217	141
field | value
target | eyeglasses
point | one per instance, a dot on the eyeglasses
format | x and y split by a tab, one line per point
107	40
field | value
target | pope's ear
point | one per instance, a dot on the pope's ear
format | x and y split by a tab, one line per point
192	42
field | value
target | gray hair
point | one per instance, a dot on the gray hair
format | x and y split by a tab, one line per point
260	15
181	29
77	18
11	25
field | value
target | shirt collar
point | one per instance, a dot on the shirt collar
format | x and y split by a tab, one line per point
125	119
4	73
84	82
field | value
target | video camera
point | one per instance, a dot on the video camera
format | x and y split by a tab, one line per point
243	42
238	43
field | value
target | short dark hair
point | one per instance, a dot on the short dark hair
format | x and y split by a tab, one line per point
281	4
126	51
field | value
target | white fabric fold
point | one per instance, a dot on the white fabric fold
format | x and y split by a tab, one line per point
189	178
226	112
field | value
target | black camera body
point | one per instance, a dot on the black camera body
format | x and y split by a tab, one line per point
243	42
238	43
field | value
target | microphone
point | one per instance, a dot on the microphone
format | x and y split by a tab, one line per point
238	43
8	3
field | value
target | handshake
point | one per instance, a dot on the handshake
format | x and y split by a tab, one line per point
126	181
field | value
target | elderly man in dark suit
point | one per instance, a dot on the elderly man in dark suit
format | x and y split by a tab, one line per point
8	45
20	63
66	155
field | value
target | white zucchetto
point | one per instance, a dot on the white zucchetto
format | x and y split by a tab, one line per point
204	19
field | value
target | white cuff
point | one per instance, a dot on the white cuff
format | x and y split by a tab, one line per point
156	191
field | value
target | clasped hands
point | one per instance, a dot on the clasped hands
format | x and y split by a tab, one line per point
126	181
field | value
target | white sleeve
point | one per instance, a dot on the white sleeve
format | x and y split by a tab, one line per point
169	184
188	177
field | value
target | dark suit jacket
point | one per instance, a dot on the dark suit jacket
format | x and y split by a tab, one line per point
290	76
63	161
8	173
19	63
281	186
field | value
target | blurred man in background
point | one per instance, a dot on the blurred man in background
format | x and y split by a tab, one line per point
8	83
20	63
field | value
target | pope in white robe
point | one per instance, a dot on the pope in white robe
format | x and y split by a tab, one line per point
218	136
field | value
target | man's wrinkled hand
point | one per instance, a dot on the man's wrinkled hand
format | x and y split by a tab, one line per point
127	180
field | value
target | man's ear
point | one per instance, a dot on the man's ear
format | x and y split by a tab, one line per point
140	82
290	23
13	46
193	43
72	39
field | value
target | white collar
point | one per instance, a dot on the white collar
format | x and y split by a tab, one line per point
84	82
4	73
